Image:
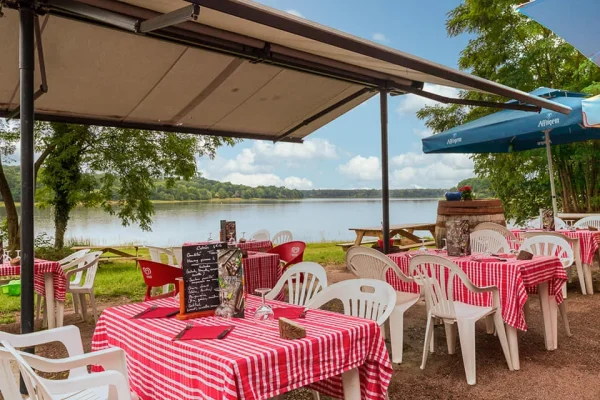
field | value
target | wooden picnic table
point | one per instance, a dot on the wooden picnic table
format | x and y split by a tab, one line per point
404	230
114	250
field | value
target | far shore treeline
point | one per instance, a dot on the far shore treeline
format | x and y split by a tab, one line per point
199	188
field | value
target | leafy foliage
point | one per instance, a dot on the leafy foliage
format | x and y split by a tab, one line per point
508	48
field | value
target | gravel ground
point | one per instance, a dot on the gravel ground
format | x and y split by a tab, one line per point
570	372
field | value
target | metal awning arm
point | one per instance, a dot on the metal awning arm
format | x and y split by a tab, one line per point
188	13
40	51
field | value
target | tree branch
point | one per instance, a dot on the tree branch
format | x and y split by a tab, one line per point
41	159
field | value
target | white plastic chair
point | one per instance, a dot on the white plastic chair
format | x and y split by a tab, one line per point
304	280
178	255
261	235
365	298
437	276
487	241
282	237
89	265
593	220
552	245
74	256
492	226
112	384
156	256
367	263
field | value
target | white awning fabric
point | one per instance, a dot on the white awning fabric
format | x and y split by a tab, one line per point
222	74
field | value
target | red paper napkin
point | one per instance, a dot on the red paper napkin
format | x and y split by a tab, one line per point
159	312
288	312
199	332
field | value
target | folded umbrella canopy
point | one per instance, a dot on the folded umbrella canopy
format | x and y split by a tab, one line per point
574	21
509	130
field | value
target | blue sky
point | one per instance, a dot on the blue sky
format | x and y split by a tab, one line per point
346	153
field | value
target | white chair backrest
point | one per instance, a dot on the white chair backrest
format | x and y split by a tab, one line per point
92	260
261	235
593	220
74	256
282	237
437	277
492	226
549	245
156	252
178	254
485	241
367	263
35	385
366	298
304	280
536	223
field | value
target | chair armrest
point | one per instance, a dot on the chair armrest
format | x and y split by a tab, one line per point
116	381
73	271
67	335
110	359
493	289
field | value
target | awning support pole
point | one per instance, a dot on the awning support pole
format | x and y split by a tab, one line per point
188	13
551	172
385	188
26	67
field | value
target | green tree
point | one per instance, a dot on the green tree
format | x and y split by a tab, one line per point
508	48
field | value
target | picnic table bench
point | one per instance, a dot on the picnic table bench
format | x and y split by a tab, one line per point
404	230
120	254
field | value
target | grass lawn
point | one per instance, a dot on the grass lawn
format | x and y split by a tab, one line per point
121	279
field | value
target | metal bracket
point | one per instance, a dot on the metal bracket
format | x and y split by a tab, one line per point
263	55
40	51
188	13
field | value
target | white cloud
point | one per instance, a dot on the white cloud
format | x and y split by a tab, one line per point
379	37
431	170
295	12
411	103
310	149
422	133
362	168
254	180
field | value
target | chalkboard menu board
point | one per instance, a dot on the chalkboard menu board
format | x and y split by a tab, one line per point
201	277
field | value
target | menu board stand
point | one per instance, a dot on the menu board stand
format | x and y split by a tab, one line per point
198	290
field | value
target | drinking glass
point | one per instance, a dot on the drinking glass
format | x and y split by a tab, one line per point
423	247
210	237
445	248
224	310
570	223
264	312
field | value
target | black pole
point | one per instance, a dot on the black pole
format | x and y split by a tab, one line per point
385	188
26	66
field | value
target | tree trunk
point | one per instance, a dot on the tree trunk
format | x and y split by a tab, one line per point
12	217
62	208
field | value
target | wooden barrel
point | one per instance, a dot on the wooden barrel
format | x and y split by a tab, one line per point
475	211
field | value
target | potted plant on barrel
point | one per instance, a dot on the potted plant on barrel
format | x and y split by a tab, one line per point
466	193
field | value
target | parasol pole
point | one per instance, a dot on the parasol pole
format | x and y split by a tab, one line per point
551	171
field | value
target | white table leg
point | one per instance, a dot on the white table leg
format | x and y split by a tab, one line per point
351	383
589	285
546	315
553	308
50	312
60	313
513	345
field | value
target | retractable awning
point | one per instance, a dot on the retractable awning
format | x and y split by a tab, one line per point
215	67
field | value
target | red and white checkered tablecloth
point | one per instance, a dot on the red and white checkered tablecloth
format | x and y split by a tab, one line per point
514	279
256	245
589	241
40	268
252	362
262	270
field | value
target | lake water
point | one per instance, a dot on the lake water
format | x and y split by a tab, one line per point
310	220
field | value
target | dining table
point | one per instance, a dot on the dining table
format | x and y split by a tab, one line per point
255	245
515	279
588	246
341	356
49	280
